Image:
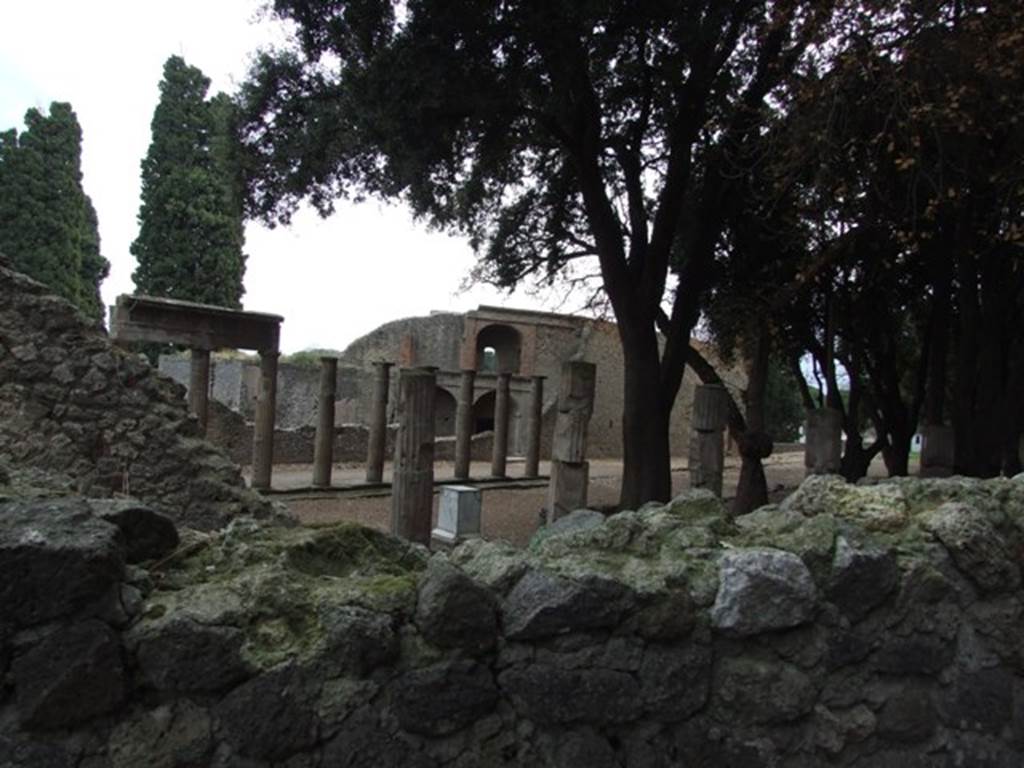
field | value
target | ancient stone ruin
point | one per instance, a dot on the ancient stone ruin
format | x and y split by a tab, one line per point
174	620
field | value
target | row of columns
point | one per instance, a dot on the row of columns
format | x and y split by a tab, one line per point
377	439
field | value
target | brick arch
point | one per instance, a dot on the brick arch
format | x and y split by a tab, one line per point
506	341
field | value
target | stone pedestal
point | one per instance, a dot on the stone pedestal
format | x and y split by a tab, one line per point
377	439
199	387
707	443
464	425
569	469
458	514
823	449
937	450
707	461
412	486
323	451
263	429
501	408
534	426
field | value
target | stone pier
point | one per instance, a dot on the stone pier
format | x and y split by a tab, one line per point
199	386
263	429
412	486
570	472
323	451
707	444
533	427
378	423
823	447
499	455
937	450
464	424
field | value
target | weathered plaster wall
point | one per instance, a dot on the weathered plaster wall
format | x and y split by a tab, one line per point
88	416
850	626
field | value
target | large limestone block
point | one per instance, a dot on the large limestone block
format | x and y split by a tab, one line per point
977	547
761	590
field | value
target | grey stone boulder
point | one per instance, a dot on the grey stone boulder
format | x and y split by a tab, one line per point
762	590
542	605
357	640
553	693
168	736
56	559
574	522
750	691
71	676
675	680
861	579
453	611
148	534
184	655
444	698
976	546
272	716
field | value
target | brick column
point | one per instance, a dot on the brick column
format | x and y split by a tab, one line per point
707	444
263	431
533	427
464	425
412	487
199	387
501	409
323	450
570	472
378	423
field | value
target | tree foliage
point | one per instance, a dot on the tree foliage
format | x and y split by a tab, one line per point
190	223
548	133
48	226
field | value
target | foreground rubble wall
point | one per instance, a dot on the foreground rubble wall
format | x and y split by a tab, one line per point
854	626
78	414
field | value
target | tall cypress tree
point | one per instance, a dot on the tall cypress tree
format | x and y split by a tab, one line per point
190	225
48	226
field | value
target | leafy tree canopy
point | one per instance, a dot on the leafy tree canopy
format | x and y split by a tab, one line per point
48	226
190	223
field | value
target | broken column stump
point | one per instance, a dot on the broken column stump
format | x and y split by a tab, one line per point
412	485
823	446
323	448
570	471
458	514
707	444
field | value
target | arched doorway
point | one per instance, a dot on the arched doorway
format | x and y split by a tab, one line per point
444	413
483	419
498	349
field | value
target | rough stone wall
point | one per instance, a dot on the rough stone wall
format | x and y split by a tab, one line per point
436	342
849	626
92	418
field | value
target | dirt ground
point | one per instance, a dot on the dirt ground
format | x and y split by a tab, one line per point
510	510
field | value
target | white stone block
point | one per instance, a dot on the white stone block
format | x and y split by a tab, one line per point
458	514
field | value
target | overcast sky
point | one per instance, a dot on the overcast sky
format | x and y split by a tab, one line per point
332	280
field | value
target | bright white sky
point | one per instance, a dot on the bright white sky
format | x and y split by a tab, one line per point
332	280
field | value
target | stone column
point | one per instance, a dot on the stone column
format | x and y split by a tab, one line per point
823	441
464	425
263	431
500	453
570	472
412	486
323	450
937	450
378	423
707	444
533	427
199	387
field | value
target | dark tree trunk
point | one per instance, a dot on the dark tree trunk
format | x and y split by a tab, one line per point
754	444
646	468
